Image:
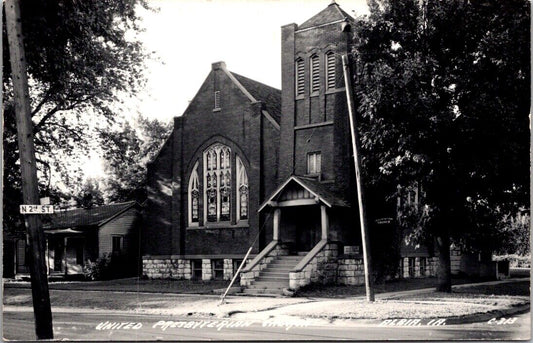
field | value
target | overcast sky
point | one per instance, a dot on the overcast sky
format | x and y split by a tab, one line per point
189	35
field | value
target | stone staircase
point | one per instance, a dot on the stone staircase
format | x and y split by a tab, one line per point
274	278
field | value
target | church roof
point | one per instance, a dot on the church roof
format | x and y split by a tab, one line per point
270	96
330	14
86	217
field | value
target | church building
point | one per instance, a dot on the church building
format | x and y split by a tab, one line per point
250	166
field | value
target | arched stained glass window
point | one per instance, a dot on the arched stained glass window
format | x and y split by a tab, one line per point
242	191
217	161
194	196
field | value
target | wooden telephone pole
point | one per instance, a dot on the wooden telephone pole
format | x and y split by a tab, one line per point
360	195
30	191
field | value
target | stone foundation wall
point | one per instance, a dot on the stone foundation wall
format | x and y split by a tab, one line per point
321	269
171	267
351	271
247	278
429	270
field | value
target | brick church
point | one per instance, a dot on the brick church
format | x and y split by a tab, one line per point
250	166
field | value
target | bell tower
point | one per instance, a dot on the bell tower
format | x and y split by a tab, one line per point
315	140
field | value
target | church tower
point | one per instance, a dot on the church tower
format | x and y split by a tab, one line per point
315	140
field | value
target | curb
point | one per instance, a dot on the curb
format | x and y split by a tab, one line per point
483	317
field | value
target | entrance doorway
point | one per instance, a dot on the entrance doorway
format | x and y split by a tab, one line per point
307	225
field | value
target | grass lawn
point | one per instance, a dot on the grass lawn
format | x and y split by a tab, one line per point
336	291
137	285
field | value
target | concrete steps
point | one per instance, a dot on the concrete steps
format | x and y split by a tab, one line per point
274	278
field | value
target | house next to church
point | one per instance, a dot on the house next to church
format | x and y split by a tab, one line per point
250	166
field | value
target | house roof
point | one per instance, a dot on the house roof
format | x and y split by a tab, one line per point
95	216
314	187
270	96
330	14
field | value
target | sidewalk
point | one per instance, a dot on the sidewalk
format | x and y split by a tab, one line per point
421	303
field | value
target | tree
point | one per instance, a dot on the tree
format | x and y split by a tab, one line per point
126	152
80	58
90	195
444	89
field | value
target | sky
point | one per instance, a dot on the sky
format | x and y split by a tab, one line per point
187	36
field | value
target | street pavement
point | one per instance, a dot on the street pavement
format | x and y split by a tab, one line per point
87	325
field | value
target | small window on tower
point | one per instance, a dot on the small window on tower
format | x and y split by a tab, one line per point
315	74
330	70
217	100
300	80
314	163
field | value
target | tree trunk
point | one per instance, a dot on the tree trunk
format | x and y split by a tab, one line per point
444	271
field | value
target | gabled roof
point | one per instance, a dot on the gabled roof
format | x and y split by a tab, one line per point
330	14
270	96
312	186
95	216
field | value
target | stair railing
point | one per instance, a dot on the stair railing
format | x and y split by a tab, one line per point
223	297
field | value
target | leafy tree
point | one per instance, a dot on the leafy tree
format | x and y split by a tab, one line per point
80	57
444	89
126	152
90	195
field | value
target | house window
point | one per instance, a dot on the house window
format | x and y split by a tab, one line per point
194	196
217	266
330	70
314	163
411	267
116	245
217	100
300	79
315	74
242	189
196	269
217	180
400	268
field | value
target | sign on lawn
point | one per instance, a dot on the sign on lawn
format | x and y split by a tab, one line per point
36	209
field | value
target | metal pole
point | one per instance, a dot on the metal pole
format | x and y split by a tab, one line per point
235	276
30	191
360	195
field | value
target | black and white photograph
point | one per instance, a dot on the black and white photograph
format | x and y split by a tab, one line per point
266	170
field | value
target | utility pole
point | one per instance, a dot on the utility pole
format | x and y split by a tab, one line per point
30	191
360	195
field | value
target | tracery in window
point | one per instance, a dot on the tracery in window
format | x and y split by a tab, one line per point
242	191
217	162
194	196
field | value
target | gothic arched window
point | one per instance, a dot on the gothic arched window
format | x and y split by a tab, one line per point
194	197
217	178
242	191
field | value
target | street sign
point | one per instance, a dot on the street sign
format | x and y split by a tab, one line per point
36	209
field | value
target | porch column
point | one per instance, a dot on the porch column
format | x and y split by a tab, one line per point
324	222
275	234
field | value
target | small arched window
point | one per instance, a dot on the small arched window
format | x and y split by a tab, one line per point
315	74
242	191
300	77
330	70
194	197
